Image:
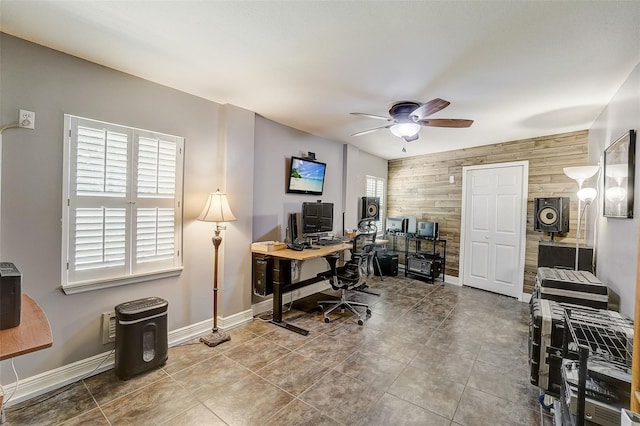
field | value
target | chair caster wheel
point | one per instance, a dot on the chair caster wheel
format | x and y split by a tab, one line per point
360	322
327	320
368	311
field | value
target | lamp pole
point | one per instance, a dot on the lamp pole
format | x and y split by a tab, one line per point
216	240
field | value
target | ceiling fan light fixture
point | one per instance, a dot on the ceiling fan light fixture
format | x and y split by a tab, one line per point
405	129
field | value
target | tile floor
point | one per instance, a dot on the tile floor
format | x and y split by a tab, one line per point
430	354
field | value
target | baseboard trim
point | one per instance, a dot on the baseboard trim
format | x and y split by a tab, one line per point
450	279
42	383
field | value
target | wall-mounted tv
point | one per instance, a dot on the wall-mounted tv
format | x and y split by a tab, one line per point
305	176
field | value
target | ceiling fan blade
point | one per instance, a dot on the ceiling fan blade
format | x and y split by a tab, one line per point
446	122
431	107
371	130
411	138
363	114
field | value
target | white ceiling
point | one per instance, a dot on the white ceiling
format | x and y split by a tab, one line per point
518	69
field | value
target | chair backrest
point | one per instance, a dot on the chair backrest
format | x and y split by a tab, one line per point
366	237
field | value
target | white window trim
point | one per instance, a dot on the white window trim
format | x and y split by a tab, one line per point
82	286
169	269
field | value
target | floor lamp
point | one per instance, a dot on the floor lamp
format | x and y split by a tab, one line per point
216	210
586	195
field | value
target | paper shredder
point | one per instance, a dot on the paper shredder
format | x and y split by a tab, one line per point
141	336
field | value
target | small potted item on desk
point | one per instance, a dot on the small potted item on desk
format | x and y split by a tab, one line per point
350	233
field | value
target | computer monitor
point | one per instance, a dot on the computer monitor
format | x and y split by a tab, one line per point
317	217
293	228
428	230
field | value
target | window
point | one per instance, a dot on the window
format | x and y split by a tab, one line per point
375	188
122	205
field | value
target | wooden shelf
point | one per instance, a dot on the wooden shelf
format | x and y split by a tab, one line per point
32	334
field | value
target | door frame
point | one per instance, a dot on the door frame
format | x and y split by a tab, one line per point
523	227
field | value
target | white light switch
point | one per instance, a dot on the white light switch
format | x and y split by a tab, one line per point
451	179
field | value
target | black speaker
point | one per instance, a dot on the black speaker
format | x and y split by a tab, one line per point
371	208
551	214
10	295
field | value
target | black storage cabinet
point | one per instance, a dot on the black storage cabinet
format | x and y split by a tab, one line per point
141	336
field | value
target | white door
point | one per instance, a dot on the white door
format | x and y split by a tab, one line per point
494	217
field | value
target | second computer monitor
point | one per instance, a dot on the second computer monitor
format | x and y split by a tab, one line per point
317	217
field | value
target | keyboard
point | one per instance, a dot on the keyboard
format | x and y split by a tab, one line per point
329	241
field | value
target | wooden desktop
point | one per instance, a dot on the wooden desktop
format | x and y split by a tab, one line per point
32	334
282	262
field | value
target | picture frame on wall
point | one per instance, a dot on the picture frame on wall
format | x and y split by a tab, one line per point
619	171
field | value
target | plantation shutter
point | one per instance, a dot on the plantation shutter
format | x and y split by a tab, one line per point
122	208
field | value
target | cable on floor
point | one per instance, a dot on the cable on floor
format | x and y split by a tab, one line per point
64	388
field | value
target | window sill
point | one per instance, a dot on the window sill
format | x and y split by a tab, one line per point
81	287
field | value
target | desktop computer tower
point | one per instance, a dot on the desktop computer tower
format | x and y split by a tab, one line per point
262	279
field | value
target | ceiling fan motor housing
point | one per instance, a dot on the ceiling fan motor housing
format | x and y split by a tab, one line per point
402	110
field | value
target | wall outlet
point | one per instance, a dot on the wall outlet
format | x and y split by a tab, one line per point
27	119
108	327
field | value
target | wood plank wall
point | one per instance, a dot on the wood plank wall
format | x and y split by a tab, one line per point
419	186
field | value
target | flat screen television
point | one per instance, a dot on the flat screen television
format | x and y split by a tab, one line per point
317	217
305	176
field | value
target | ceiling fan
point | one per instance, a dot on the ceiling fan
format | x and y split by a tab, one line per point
407	117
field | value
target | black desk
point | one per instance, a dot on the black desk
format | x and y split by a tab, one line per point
282	279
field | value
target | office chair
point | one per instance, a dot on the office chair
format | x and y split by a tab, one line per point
354	272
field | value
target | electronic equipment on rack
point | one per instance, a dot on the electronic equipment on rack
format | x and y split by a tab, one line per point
426	266
428	230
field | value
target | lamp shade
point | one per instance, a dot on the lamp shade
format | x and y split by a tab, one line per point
587	195
217	209
580	172
405	129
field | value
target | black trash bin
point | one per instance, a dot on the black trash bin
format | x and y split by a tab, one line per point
141	336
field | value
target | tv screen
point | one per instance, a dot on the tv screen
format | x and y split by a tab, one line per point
305	176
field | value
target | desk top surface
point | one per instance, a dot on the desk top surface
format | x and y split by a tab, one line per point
32	334
307	254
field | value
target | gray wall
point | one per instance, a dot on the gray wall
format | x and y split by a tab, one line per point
617	239
52	84
274	146
219	153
